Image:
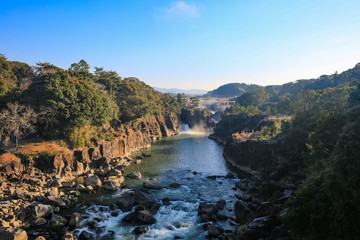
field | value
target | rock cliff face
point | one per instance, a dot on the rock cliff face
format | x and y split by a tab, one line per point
130	137
197	118
268	161
234	123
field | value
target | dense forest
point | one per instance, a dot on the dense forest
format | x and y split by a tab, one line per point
315	123
73	104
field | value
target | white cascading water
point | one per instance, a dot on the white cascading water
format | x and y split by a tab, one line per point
185	128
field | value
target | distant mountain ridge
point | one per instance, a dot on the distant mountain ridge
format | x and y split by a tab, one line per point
195	92
231	90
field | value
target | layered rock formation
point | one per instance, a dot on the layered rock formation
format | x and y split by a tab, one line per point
130	137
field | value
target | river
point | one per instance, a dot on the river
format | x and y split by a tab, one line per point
190	159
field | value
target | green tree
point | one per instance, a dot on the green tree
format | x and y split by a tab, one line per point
194	101
256	97
7	77
77	102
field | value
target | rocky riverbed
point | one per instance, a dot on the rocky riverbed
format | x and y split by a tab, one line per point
179	189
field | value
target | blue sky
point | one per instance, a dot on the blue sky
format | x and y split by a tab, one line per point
187	44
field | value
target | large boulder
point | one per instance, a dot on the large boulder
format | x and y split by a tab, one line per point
42	210
134	175
208	209
13	234
93	181
243	214
13	167
55	201
75	220
57	222
40	221
214	231
111	185
144	217
126	202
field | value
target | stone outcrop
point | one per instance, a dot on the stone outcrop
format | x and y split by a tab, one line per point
13	167
131	137
230	124
268	161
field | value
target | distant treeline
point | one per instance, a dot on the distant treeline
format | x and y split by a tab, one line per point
237	89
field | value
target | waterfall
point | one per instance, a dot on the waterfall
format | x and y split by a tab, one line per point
185	128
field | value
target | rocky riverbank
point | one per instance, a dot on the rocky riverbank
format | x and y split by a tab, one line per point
36	193
270	176
270	173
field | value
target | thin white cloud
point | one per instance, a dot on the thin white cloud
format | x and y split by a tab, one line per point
180	9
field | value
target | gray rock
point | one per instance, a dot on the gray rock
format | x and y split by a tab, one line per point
75	220
56	201
42	210
208	209
58	222
82	188
141	230
13	234
149	185
214	231
204	217
35	181
93	181
126	203
221	204
134	175
111	185
243	214
115	172
221	216
144	217
40	221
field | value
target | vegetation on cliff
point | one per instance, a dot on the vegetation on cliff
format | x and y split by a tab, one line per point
320	140
76	104
326	205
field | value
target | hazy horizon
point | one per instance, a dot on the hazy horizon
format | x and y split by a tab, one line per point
187	44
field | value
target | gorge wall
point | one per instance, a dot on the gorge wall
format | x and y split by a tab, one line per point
131	137
199	118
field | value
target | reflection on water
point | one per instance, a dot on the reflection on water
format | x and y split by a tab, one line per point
195	152
187	159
